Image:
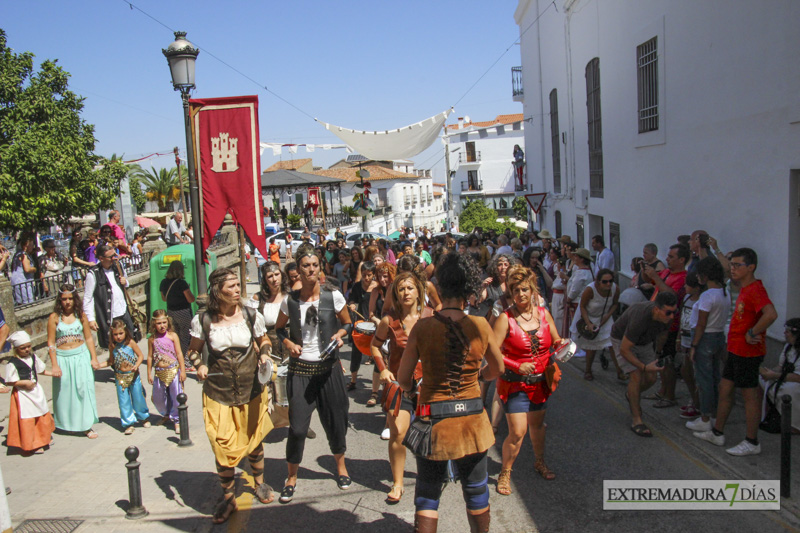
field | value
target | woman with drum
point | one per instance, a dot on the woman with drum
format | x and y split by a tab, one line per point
408	293
451	423
309	328
528	331
235	403
358	303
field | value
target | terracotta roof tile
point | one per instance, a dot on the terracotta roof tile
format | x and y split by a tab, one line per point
376	173
438	194
293	164
500	119
440	185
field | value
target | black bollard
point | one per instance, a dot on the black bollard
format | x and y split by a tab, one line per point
183	419
136	510
786	445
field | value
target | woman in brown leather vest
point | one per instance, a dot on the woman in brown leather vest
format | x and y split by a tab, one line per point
408	296
451	345
232	393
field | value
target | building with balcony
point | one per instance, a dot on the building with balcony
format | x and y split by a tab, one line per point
404	197
482	161
653	119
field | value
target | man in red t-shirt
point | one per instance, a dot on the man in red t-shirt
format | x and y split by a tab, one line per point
753	314
671	279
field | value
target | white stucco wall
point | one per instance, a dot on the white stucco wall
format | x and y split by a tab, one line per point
726	155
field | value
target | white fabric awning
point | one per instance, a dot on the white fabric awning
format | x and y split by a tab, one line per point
391	145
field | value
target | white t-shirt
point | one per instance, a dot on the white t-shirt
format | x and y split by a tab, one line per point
505	249
311	348
32	403
717	305
222	337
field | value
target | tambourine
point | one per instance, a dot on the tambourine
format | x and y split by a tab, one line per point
565	350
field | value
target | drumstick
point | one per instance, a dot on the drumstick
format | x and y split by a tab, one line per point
359	314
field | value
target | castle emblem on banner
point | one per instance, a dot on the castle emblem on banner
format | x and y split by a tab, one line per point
224	150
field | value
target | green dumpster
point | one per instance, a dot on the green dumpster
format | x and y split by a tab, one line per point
159	264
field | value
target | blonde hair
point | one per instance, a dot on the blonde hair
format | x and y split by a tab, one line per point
160	313
521	275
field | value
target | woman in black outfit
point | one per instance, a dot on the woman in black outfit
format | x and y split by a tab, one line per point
176	292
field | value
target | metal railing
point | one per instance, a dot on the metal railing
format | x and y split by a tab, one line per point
466	157
472	185
46	288
337	219
516	83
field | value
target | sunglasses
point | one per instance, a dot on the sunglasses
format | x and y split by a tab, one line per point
670	313
606	281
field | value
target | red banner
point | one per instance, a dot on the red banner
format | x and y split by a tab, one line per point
226	145
313	199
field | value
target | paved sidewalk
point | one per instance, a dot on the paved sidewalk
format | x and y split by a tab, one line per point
667	424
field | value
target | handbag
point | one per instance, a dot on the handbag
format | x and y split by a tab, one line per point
553	375
418	437
771	423
580	325
772	419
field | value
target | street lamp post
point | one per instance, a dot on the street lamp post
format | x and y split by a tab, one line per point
181	55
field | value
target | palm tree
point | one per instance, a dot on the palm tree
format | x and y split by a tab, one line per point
134	173
161	185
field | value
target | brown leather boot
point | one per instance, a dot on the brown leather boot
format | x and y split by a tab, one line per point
425	524
479	523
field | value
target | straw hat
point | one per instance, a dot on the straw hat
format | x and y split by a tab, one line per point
564	239
544	234
583	252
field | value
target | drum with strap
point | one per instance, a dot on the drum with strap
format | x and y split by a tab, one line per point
281	396
363	332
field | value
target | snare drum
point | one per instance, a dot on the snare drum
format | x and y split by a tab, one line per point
281	397
363	332
565	350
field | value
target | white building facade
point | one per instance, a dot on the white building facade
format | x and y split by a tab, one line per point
482	161
654	119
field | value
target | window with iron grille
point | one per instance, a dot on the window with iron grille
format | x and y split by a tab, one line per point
554	141
647	76
595	128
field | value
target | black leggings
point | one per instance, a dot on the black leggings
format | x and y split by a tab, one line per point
326	394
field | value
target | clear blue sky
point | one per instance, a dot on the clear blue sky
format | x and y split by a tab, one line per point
360	64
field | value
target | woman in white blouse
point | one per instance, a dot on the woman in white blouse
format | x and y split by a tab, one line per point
239	349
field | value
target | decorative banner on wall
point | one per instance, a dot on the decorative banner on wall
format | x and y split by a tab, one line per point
225	136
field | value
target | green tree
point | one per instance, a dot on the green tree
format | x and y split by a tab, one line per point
520	207
477	213
48	169
162	185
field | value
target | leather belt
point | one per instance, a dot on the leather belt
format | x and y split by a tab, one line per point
451	408
528	379
558	291
307	368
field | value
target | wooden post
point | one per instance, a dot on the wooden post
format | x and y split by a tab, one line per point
242	264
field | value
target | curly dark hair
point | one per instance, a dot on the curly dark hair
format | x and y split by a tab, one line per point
77	301
264	292
458	276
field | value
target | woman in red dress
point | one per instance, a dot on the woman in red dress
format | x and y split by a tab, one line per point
528	332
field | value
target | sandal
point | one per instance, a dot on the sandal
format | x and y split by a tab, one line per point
224	510
264	493
541	468
351	386
642	430
622	376
391	498
128	430
91	434
373	400
504	482
588	376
